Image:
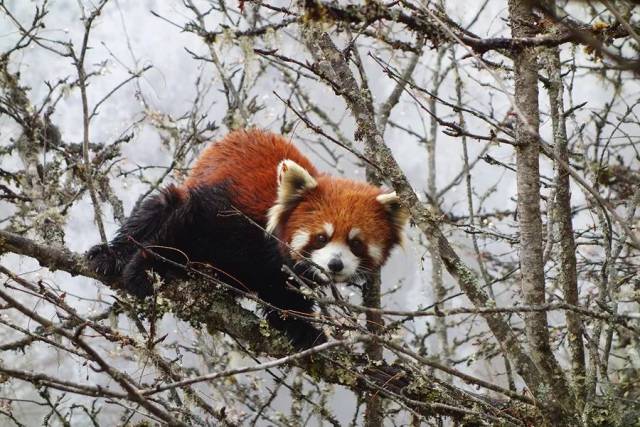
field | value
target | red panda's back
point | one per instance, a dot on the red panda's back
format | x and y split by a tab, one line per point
247	161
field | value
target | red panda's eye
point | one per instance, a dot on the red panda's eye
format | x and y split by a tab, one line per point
320	240
357	247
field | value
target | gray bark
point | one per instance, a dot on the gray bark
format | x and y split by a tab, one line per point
556	396
563	227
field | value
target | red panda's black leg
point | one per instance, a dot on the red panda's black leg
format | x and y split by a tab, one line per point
289	315
300	332
153	221
135	277
203	227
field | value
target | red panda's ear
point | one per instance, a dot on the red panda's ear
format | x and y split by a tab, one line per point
398	214
293	182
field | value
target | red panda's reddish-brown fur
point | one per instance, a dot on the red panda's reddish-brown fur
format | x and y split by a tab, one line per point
247	161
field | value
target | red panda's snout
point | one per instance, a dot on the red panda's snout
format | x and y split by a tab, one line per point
340	254
344	227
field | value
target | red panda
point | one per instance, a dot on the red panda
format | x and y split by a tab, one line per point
342	225
250	182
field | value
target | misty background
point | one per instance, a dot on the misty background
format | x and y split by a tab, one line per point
131	35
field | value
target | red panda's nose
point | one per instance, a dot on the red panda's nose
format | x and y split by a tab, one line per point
336	265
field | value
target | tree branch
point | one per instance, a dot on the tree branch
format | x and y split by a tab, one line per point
201	303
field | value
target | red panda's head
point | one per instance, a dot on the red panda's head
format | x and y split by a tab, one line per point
343	226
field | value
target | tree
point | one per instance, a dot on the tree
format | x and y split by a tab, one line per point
508	129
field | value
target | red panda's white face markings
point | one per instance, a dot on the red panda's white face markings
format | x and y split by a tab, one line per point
343	256
336	259
328	228
330	252
375	252
299	240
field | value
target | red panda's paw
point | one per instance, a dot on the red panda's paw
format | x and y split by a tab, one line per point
310	273
105	260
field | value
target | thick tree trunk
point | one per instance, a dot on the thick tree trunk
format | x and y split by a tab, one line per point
558	398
